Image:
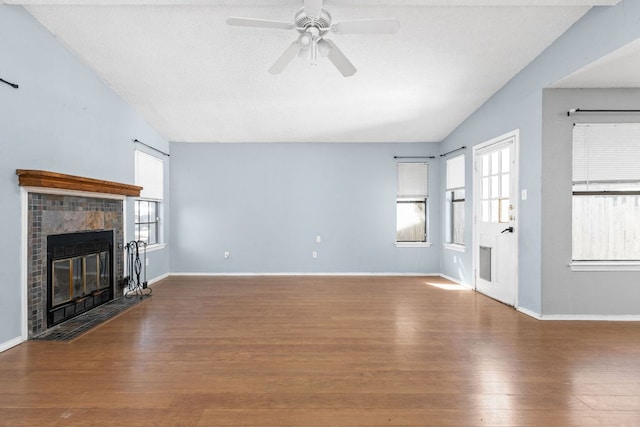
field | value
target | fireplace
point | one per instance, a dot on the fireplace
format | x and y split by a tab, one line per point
56	216
79	273
75	239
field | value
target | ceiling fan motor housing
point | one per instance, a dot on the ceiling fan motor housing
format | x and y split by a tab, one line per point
322	22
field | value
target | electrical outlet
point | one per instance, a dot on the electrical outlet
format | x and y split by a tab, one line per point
314	254
226	254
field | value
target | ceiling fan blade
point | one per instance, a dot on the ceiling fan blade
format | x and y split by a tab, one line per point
286	58
330	50
313	7
259	23
367	26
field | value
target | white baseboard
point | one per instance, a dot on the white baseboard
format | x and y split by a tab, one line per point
593	317
11	343
530	313
306	274
580	317
159	278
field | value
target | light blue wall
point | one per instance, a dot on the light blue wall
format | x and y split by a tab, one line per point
265	204
63	119
519	106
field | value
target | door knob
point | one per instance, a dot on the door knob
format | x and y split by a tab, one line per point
509	229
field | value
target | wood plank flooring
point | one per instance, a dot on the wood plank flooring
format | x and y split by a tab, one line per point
320	351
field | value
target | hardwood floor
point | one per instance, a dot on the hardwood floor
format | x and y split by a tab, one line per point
316	351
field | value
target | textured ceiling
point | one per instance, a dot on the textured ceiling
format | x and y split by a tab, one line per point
196	79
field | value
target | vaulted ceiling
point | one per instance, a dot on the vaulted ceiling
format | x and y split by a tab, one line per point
197	79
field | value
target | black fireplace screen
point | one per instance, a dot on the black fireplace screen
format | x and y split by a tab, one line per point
80	275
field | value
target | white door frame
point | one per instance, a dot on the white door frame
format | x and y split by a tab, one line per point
515	135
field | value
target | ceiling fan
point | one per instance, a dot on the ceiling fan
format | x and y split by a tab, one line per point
312	23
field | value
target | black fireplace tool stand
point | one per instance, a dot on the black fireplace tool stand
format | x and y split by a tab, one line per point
136	280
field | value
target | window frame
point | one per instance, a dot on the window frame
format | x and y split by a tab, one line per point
423	198
156	196
584	186
452	186
155	222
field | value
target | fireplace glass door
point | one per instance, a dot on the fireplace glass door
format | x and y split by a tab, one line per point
80	273
79	276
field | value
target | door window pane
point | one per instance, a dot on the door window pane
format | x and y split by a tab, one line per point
495	165
506	160
495	190
485	165
504	191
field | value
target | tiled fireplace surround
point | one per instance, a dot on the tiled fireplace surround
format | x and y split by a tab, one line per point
59	214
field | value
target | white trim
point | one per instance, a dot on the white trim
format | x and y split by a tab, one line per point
211	274
412	244
581	317
604	266
454	247
11	343
45	190
24	255
593	317
157	279
529	313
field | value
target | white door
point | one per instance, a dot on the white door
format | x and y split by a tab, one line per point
495	183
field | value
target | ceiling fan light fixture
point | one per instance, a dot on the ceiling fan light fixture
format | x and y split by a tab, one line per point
305	39
312	22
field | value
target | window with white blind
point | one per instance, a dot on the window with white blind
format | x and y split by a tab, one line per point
149	171
411	203
455	199
606	192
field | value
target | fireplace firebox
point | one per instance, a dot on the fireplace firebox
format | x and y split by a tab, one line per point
79	273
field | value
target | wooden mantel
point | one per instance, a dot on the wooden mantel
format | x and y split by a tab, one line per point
37	178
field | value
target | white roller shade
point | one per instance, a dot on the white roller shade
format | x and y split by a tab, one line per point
455	172
606	152
412	180
149	175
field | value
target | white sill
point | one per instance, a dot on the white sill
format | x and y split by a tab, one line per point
454	247
156	247
605	266
413	244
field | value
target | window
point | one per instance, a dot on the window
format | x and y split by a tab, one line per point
455	200
150	176
494	194
411	203
147	221
606	192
